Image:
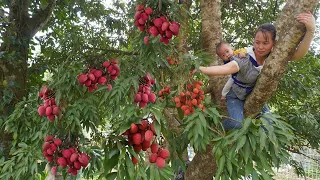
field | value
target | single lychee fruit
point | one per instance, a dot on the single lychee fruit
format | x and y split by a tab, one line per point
134	160
82	78
102	80
114	61
148	11
157	22
153	158
145	98
109	87
41	110
51	117
152	97
48	111
73	157
53	147
55	110
164	153
145	145
160	162
153	129
84	159
62	162
148	135
66	153
164	26
54	170
48	138
57	141
106	64
142	104
45	146
154	148
139	7
49	158
146	40
174	28
133	128
136	138
97	73
87	83
144	124
137	98
91	76
77	165
137	147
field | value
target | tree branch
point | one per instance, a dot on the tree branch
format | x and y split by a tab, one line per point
290	32
40	19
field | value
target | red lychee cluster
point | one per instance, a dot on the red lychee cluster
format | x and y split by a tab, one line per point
140	136
159	155
164	91
166	29
63	157
172	61
157	26
101	76
141	17
190	99
49	107
144	94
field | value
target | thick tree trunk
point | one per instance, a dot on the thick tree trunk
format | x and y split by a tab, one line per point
203	165
290	32
22	29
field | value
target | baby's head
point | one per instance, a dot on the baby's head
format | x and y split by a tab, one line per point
224	50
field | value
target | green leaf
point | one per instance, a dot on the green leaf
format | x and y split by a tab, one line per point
246	151
263	138
241	142
111	176
23	145
221	164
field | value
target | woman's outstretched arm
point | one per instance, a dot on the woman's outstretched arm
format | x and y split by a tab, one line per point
308	20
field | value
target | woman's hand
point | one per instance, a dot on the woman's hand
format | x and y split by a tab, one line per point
308	20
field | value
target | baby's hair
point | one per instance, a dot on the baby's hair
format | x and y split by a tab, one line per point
222	42
267	27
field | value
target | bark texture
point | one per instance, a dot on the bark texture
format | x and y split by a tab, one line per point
290	33
22	29
203	165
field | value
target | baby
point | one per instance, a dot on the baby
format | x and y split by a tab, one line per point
225	52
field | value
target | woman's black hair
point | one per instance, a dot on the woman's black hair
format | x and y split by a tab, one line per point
267	27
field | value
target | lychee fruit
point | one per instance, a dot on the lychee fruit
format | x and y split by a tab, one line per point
148	135
41	110
136	138
153	158
160	162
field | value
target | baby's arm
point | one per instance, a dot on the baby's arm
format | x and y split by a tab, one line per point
227	88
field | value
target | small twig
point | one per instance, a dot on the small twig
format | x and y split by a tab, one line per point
230	118
215	131
298	152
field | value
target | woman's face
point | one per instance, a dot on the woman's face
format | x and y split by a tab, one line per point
263	44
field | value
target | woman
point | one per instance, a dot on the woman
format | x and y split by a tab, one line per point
246	70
